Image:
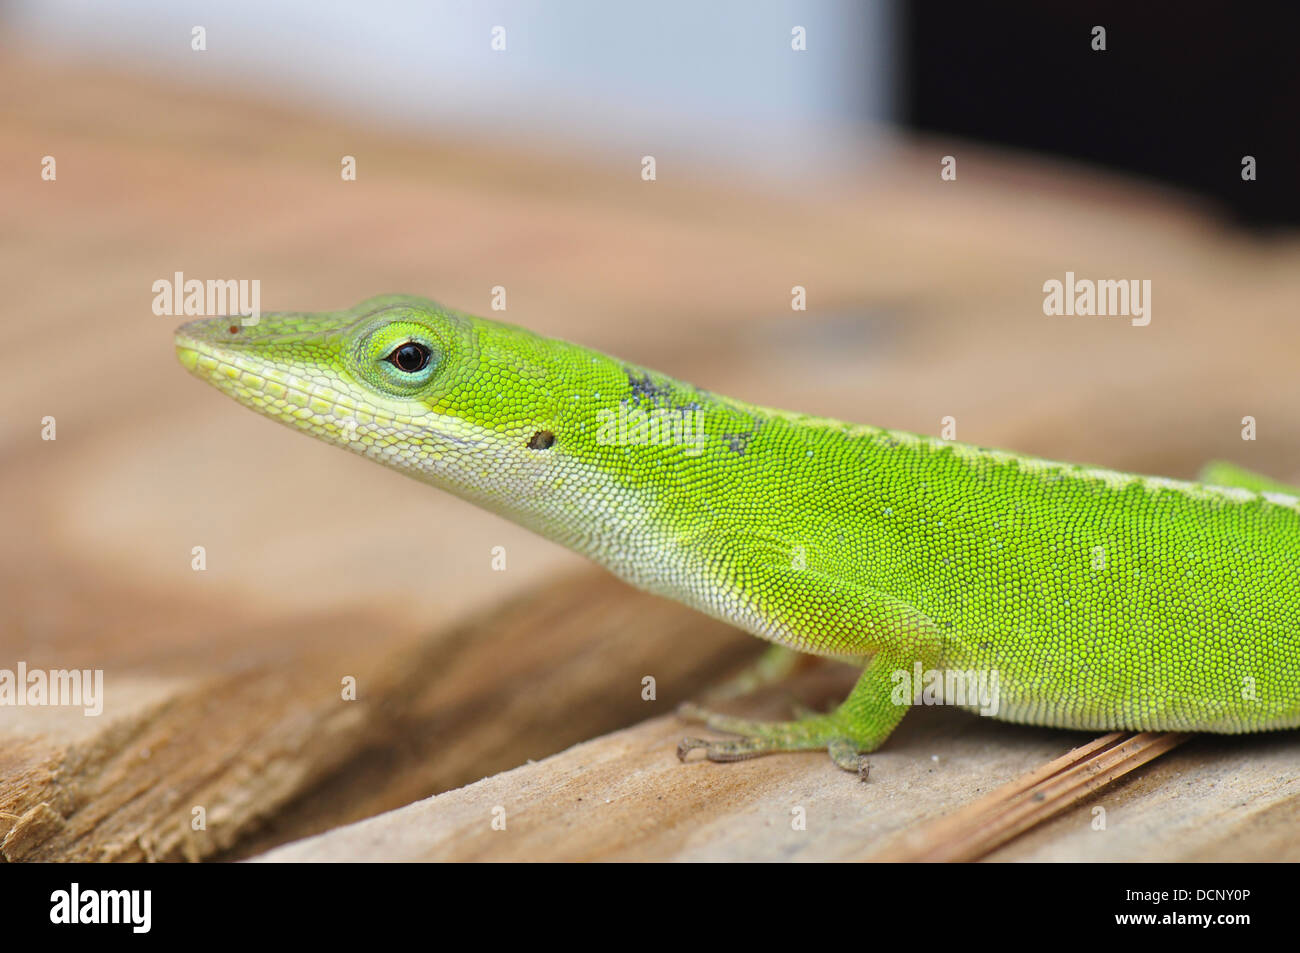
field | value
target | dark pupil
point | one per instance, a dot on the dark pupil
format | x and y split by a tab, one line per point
410	357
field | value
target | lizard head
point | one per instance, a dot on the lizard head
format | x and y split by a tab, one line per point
457	401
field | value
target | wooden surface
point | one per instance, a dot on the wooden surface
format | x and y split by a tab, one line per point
264	742
625	797
223	686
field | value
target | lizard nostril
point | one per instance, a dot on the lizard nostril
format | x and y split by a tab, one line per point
542	440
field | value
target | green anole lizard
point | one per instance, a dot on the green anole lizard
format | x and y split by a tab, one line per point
1087	598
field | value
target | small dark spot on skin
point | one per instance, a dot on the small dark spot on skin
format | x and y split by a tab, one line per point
542	440
738	442
234	329
985	646
1040	796
644	385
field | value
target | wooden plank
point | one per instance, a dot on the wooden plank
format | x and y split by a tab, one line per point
516	684
1216	798
251	735
982	826
625	797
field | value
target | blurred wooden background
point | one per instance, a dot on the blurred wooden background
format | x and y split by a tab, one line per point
223	686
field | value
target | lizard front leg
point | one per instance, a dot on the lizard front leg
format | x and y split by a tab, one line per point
860	724
853	620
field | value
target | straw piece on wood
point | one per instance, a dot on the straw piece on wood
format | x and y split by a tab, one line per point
977	829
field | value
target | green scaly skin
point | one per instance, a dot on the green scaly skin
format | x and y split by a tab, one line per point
1099	600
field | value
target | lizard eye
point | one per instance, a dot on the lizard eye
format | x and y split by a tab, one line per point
411	357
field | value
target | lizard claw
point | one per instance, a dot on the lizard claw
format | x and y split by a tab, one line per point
731	749
844	752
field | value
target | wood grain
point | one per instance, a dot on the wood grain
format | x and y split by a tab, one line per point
625	797
977	829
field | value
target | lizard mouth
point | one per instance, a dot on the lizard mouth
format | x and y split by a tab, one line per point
299	400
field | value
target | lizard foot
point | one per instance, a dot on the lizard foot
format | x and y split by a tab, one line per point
826	732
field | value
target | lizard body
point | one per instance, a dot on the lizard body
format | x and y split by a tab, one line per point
1095	599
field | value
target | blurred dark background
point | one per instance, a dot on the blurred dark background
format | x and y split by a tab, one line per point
1180	94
